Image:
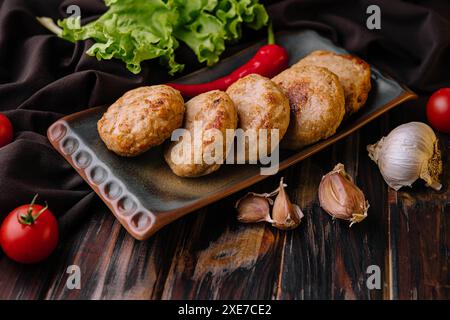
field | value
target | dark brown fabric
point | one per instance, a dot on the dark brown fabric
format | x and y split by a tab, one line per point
43	78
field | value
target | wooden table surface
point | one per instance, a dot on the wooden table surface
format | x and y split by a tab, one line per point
209	255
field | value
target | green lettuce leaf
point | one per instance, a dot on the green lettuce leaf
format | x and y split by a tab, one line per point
233	13
205	25
131	30
203	32
138	30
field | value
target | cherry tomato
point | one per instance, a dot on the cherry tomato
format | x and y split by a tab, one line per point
438	110
29	234
6	130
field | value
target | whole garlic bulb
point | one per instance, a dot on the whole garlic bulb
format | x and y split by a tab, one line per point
409	152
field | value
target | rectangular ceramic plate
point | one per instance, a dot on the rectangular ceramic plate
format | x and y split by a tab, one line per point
145	195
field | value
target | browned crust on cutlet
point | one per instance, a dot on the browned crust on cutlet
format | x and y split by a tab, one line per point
317	104
261	104
353	72
214	110
141	119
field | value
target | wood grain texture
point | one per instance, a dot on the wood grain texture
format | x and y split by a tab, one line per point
328	260
209	255
419	224
420	220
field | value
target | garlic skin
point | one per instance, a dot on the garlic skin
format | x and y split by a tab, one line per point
285	215
407	153
341	198
253	208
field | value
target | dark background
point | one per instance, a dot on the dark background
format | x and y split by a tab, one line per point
43	78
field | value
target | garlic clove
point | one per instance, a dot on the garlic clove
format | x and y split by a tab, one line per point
253	208
341	198
285	215
407	153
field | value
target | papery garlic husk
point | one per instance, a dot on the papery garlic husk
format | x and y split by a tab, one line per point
254	207
409	152
285	215
341	198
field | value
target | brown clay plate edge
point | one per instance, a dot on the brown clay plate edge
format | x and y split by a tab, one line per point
177	213
124	221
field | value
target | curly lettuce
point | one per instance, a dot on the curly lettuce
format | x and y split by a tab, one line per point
232	13
138	30
205	25
201	30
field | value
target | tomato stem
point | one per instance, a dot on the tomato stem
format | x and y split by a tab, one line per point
28	218
30	209
271	35
40	212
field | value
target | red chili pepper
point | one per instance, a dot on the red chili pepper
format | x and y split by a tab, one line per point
270	60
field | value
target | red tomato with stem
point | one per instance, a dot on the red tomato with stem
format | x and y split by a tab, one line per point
29	234
6	130
438	110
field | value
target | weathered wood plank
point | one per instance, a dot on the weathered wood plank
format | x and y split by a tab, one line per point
114	265
419	224
421	228
224	259
325	259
